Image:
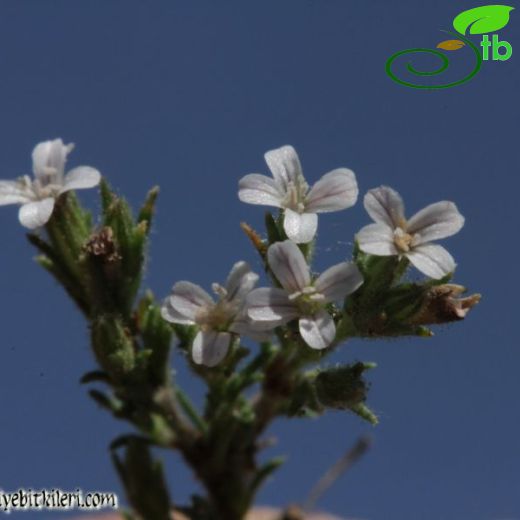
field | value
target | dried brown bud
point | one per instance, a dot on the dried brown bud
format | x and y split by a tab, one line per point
101	244
444	304
255	238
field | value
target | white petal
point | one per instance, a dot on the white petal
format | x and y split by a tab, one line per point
431	259
36	214
241	280
259	189
377	239
49	158
210	348
300	227
258	331
338	281
284	164
439	220
169	313
189	299
289	266
270	305
80	178
335	191
318	331
385	206
13	192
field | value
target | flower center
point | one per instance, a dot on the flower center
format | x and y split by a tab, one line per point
295	194
308	300
402	240
219	315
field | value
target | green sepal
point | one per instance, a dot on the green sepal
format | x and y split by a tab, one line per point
156	334
69	228
122	441
304	400
185	334
113	346
273	231
130	238
265	471
244	411
363	411
147	210
95	376
404	301
110	403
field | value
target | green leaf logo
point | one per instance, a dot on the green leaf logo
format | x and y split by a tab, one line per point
451	45
482	20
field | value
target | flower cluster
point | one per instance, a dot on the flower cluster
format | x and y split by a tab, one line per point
244	310
241	309
100	263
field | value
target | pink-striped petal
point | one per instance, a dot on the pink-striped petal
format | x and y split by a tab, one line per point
81	178
432	260
49	159
300	227
36	214
272	305
259	189
241	280
257	331
289	266
13	192
338	281
169	313
436	221
385	206
284	165
377	239
188	299
210	348
335	191
318	331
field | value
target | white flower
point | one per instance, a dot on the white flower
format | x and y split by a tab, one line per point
288	190
38	196
219	322
301	297
392	234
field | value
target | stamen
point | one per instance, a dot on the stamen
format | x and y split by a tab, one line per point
295	295
402	240
219	290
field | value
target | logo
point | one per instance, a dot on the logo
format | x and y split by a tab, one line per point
478	21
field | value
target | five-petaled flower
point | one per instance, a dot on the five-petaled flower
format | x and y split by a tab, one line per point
288	190
392	234
300	296
219	322
38	196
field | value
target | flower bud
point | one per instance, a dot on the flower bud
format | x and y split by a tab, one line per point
342	387
444	304
113	346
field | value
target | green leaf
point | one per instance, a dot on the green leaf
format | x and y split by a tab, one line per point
144	481
482	20
147	211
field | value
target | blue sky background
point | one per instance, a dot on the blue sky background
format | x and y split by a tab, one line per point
189	95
